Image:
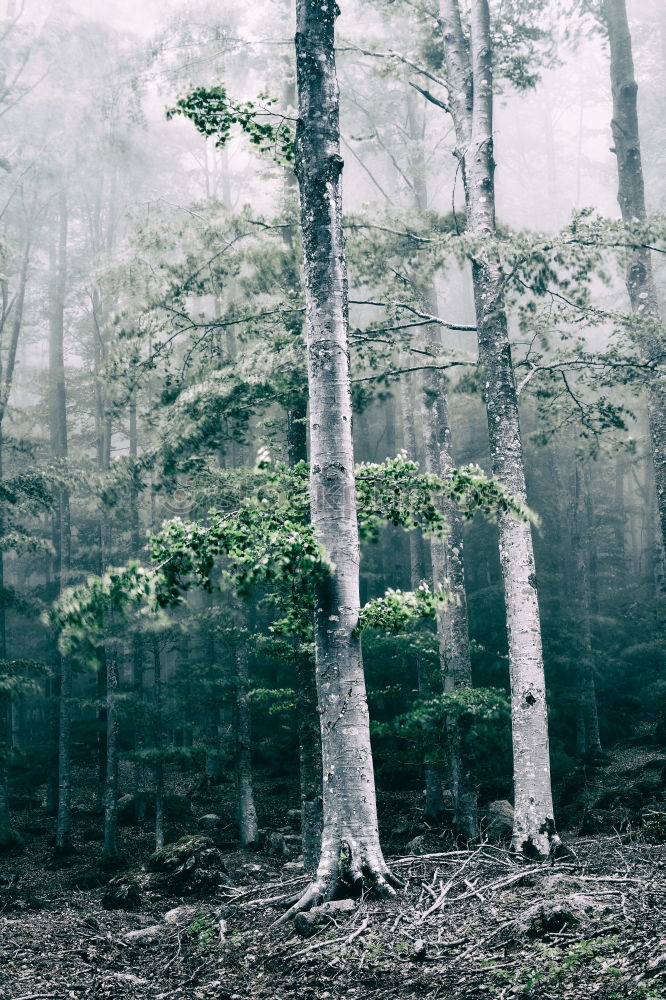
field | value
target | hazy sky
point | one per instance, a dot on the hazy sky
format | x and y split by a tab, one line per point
140	16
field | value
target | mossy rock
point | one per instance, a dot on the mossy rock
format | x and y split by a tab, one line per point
123	893
191	865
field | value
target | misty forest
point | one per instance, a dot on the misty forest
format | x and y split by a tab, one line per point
332	499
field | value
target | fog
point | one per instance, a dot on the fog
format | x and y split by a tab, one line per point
158	384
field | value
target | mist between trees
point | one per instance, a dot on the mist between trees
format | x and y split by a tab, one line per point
332	426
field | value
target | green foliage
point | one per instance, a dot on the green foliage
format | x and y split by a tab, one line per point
203	930
472	721
214	114
19	677
268	540
397	610
81	615
396	492
275	701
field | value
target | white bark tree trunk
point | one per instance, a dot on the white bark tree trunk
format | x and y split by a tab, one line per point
448	572
428	685
350	852
469	76
247	814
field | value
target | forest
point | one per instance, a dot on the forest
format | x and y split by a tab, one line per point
332	499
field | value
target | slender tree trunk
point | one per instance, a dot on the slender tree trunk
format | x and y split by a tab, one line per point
103	431
447	552
350	837
101	691
159	804
63	543
159	747
309	738
137	644
213	760
247	814
589	719
427	683
592	544
448	573
631	197
5	391
111	784
471	97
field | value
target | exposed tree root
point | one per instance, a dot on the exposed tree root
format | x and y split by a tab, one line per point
347	872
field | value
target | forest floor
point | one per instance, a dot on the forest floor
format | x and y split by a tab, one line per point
469	923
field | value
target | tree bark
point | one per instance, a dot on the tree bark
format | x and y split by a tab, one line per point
427	684
247	813
448	573
5	391
213	758
62	526
350	849
159	746
309	747
111	784
631	197
469	76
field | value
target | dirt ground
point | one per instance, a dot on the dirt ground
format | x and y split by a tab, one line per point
469	923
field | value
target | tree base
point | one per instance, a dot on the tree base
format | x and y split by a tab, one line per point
350	872
64	850
540	846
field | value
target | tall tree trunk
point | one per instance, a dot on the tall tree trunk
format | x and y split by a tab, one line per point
159	747
103	446
213	759
631	197
247	814
350	848
5	391
471	97
447	552
427	684
137	644
448	573
309	738
63	536
111	783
